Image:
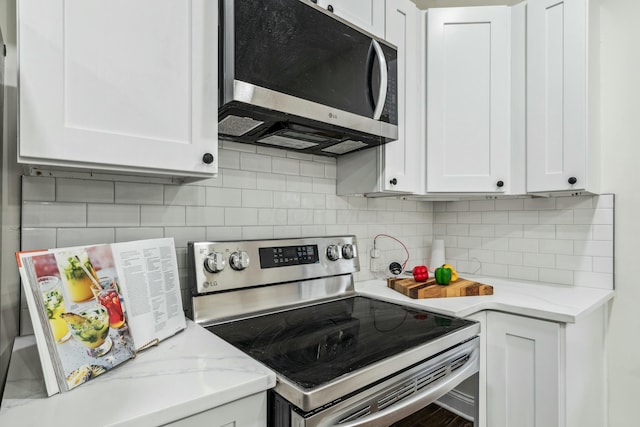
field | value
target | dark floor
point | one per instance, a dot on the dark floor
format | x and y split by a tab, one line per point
434	416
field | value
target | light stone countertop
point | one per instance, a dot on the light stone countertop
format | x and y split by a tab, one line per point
557	303
191	372
196	371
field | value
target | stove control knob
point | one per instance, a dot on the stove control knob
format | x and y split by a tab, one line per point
239	260
333	252
348	252
214	262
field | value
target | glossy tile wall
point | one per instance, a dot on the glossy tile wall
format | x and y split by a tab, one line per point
565	240
259	193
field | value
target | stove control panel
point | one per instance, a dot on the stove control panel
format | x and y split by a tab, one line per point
262	262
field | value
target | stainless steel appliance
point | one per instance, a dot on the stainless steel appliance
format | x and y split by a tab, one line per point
340	358
294	76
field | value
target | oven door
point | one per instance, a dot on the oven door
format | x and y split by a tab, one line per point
392	399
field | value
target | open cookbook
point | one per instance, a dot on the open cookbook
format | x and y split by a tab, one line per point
94	307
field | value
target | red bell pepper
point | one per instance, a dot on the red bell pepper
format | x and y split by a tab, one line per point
420	273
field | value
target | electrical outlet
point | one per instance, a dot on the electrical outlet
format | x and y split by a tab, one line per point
374	253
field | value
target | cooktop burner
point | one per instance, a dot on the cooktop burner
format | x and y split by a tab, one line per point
316	344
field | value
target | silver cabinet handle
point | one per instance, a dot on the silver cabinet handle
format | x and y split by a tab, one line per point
415	403
384	79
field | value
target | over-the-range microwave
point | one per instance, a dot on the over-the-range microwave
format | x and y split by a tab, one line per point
293	76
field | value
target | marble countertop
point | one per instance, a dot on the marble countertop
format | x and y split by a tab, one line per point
544	301
191	372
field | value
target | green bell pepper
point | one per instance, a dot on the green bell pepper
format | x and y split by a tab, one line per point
443	275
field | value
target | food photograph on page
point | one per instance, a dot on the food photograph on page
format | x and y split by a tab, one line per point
86	318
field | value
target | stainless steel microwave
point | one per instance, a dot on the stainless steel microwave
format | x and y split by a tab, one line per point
293	76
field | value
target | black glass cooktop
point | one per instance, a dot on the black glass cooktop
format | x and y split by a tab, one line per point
316	344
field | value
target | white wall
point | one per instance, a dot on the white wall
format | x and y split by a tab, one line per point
620	112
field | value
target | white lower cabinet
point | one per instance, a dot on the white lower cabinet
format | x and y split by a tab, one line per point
248	412
545	374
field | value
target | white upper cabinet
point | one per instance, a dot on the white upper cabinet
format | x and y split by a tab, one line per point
366	14
119	86
562	143
398	166
468	98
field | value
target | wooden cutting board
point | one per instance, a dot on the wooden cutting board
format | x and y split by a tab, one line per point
430	289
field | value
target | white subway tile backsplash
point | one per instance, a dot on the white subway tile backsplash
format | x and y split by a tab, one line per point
38	238
539	231
312	169
49	214
272	217
470	217
602	232
236	146
220	233
138	233
593	247
187	195
162	216
229	159
257	233
495	217
556	217
240	216
523	273
482	230
574	262
263	192
80	190
563	277
564	247
255	162
270	181
593	216
459	206
299	216
239	179
481	205
204	216
183	235
573	232
139	193
299	184
282	199
509	204
38	189
523	245
445	217
523	217
286	166
223	197
603	264
107	215
538	260
330	171
508	230
84	236
540	204
495	243
257	199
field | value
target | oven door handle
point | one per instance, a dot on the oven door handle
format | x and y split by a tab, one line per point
413	404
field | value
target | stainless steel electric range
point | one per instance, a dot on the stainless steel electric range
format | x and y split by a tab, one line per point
340	358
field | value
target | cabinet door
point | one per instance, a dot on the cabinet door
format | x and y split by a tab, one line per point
366	14
556	95
403	165
523	362
398	166
250	411
117	85
468	99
